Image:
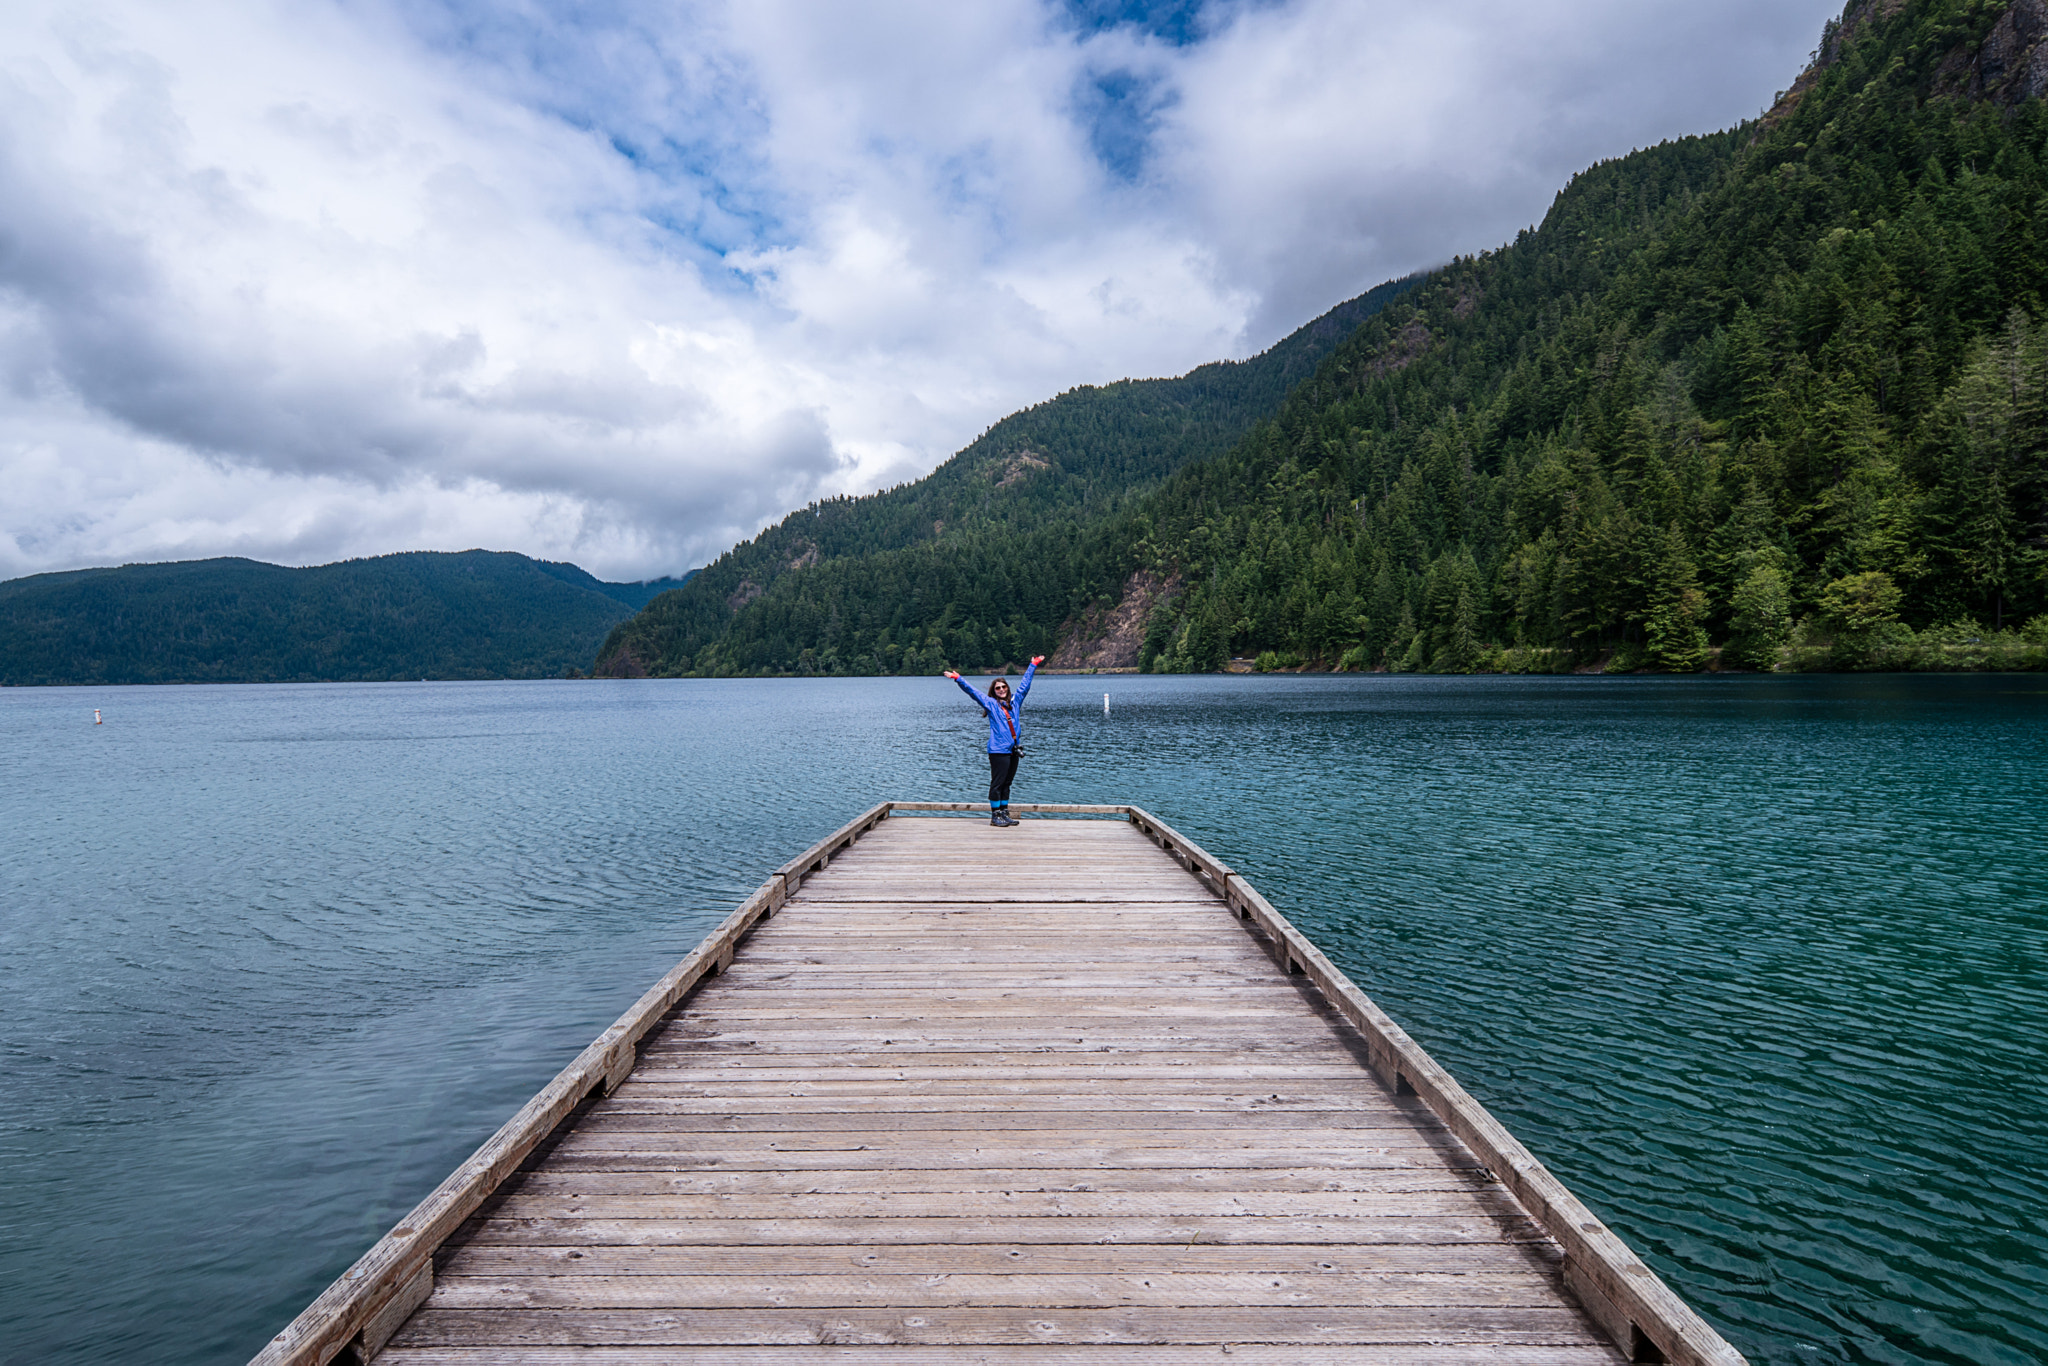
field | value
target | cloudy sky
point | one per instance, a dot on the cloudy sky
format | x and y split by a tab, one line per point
619	281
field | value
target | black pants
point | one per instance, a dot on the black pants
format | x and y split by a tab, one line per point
1002	768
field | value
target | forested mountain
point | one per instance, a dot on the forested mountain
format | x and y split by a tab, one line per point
1789	372
861	582
477	614
1775	393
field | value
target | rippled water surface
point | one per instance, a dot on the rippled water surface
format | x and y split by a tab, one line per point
1759	966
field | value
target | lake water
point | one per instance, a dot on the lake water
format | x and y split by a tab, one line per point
1759	966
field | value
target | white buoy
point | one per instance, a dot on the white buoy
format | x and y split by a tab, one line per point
97	722
1105	704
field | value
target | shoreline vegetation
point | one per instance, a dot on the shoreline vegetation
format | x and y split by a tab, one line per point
1811	647
1963	647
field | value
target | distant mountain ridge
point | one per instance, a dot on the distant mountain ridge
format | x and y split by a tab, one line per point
472	615
635	595
912	556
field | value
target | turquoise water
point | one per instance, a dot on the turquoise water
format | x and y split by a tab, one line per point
1758	965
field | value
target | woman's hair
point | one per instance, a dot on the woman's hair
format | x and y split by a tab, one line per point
1002	683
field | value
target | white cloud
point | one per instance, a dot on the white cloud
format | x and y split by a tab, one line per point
307	280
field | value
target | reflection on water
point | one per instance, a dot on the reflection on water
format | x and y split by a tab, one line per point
1759	966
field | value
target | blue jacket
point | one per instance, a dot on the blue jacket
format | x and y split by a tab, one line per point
1005	724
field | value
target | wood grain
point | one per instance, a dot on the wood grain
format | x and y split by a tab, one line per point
992	1325
1076	1354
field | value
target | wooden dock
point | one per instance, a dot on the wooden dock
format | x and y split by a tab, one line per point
941	1092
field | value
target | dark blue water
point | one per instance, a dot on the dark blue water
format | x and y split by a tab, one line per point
1759	966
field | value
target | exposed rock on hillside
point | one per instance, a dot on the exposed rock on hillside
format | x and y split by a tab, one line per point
2009	66
2012	63
1111	637
1020	465
1404	350
620	664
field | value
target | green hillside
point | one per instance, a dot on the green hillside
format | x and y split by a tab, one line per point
477	614
1771	397
1778	390
862	583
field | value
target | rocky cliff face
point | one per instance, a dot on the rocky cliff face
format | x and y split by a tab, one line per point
1112	637
2010	65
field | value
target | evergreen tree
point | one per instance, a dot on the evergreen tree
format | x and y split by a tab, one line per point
1675	633
1461	652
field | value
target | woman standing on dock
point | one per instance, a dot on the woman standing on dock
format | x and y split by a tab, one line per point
1005	735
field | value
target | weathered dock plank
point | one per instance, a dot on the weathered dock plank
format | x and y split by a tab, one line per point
1087	1354
1004	1095
1335	1327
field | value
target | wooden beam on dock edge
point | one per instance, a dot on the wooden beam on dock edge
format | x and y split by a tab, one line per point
354	1317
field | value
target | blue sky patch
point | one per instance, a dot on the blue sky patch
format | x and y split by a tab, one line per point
1120	110
1171	21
